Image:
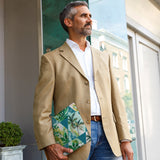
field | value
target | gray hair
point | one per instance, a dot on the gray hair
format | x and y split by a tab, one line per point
69	12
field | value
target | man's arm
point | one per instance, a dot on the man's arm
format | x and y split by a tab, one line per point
43	104
121	118
42	110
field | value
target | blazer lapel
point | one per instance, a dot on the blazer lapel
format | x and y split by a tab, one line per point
96	61
66	52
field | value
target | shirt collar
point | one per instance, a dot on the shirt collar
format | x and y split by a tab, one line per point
73	44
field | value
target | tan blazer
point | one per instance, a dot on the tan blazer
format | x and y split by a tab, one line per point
63	80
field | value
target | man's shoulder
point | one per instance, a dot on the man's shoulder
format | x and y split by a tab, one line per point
56	52
101	53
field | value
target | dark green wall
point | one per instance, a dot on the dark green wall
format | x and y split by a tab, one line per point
53	33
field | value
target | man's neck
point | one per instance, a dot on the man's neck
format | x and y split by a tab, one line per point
80	41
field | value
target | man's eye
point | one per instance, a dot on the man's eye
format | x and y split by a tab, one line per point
86	15
83	15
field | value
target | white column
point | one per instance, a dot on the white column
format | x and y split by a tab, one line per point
21	68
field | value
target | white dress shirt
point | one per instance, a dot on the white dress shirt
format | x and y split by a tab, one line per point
85	60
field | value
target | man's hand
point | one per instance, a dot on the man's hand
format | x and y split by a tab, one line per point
55	152
126	150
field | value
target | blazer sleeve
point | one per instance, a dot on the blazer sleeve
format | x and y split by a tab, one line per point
43	104
118	108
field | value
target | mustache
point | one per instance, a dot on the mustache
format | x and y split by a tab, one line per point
88	24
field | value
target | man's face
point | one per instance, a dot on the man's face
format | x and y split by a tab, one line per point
82	23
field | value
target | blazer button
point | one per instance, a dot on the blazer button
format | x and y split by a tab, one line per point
88	121
88	101
86	82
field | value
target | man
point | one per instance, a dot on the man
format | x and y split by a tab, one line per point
76	72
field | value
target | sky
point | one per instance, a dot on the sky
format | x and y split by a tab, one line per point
110	15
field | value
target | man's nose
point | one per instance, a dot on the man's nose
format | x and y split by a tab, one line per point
89	19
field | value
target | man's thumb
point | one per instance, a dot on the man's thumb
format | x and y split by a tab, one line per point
68	150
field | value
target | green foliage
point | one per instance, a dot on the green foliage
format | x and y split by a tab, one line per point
127	99
128	104
61	136
74	145
79	125
72	120
62	115
10	134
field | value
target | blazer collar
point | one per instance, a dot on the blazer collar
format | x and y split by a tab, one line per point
66	52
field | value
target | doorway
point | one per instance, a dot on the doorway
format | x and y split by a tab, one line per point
146	84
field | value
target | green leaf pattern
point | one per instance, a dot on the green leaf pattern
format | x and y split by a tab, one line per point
69	129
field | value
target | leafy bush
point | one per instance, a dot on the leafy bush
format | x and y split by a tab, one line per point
10	134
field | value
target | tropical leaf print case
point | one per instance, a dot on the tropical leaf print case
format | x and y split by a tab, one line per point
69	129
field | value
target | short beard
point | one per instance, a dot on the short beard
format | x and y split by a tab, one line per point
86	31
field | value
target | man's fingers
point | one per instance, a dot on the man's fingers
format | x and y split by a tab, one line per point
63	149
130	156
123	156
61	156
127	151
55	152
68	150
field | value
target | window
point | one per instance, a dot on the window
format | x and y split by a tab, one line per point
126	83
145	58
118	81
125	66
102	46
115	60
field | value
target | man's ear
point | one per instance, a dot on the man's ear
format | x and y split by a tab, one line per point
68	22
